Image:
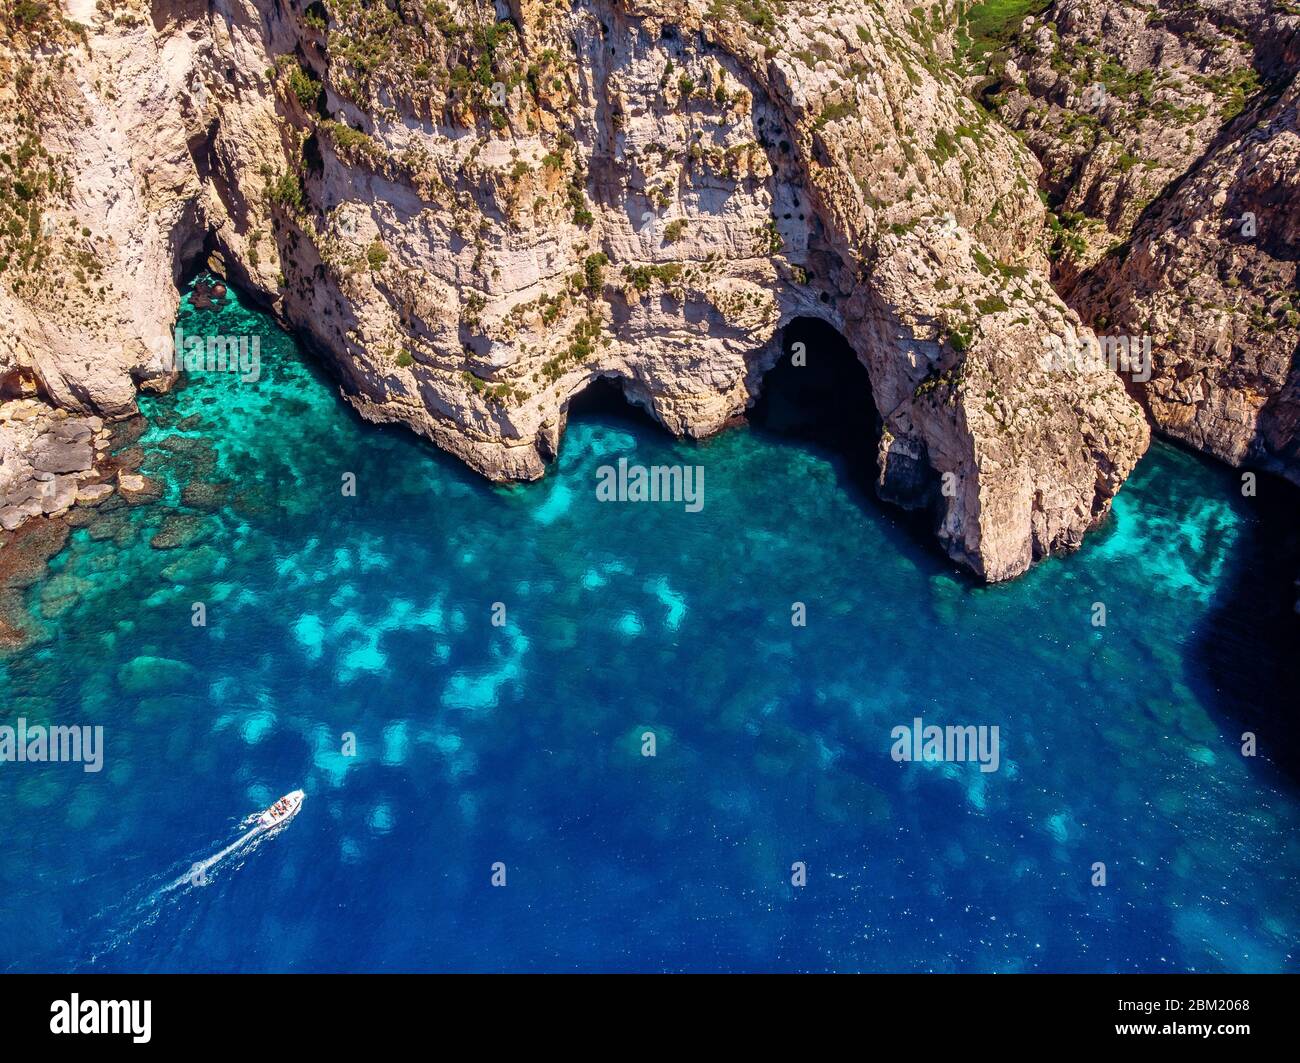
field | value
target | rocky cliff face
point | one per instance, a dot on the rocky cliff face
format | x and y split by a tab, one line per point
1168	135
473	213
1210	274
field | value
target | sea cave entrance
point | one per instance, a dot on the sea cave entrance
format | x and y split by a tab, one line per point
819	393
603	399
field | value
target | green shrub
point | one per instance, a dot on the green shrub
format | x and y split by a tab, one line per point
316	16
287	191
304	85
28	13
593	269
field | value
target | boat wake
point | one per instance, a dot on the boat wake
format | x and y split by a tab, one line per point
197	875
143	907
265	824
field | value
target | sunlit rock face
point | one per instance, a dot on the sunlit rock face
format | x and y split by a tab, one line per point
1211	277
471	215
1168	139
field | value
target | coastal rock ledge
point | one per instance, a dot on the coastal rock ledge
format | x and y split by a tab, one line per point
472	213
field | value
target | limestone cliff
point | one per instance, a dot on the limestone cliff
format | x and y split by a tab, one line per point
1211	275
1168	135
471	213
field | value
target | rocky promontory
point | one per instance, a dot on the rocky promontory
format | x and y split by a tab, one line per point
1168	136
473	212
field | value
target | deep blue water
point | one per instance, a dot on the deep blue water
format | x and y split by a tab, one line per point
521	744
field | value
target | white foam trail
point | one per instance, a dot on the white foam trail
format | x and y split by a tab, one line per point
200	869
145	912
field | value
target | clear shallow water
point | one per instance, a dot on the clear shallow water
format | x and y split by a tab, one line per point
521	744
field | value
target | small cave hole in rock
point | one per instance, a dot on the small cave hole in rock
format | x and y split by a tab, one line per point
825	402
604	400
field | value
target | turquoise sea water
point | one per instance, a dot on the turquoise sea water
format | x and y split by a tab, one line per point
521	744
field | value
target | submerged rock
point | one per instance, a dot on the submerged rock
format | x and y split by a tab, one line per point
106	524
180	529
127	433
24	553
193	564
138	489
199	494
60	593
81	517
15	633
253	502
197	462
129	459
153	675
184	444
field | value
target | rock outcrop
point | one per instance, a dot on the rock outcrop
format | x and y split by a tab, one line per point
1210	275
472	214
1168	136
48	461
1119	98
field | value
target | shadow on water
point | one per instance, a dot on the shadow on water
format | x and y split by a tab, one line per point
1248	646
826	405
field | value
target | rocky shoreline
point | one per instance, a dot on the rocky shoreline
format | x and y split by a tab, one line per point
50	461
662	191
58	471
657	191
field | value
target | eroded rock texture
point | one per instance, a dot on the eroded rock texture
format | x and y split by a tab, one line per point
1168	135
473	213
1211	275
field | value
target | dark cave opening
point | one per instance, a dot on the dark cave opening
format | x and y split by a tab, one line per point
604	399
819	393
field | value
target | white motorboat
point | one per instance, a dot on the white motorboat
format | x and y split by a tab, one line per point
282	811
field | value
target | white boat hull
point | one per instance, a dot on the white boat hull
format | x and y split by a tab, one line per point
282	811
